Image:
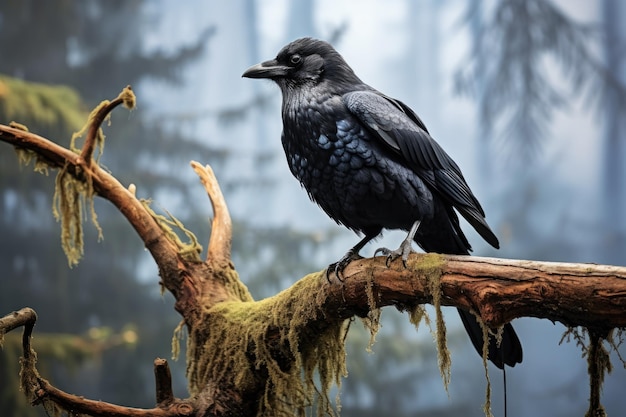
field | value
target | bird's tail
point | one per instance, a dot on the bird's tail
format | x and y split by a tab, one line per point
507	352
444	235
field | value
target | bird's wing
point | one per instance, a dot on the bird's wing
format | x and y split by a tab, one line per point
395	124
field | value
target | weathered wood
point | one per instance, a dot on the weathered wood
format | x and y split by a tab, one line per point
500	290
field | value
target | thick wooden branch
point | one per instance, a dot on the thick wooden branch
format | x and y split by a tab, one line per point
499	290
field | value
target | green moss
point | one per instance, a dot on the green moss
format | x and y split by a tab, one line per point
272	337
29	385
230	279
16	125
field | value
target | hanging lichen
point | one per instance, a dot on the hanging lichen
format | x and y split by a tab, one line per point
592	345
177	335
429	267
615	339
25	156
74	185
372	320
273	337
70	197
189	251
485	356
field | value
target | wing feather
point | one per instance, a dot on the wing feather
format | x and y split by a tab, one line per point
396	125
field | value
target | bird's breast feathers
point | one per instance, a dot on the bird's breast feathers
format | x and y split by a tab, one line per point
342	168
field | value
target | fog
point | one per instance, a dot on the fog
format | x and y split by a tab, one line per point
551	205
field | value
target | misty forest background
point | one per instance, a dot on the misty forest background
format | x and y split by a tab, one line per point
526	96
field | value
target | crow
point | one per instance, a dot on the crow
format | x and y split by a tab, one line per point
370	163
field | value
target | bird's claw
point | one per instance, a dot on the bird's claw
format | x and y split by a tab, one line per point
403	252
340	265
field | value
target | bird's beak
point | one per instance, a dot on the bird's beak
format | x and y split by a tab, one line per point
268	69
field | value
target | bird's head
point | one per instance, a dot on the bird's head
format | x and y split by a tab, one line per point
305	61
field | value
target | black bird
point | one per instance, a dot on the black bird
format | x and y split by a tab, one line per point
370	163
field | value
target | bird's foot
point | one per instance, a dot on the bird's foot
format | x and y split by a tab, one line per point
340	265
405	248
403	251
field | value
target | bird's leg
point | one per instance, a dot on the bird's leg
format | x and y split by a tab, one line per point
351	255
405	247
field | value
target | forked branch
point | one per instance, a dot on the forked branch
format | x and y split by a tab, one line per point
221	230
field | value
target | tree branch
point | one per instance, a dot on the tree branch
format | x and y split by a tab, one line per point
163	250
43	391
221	230
107	186
24	317
99	115
163	379
94	408
499	290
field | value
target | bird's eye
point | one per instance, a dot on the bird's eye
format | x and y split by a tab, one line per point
295	59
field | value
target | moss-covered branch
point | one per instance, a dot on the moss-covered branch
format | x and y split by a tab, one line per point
90	176
274	339
499	290
280	355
